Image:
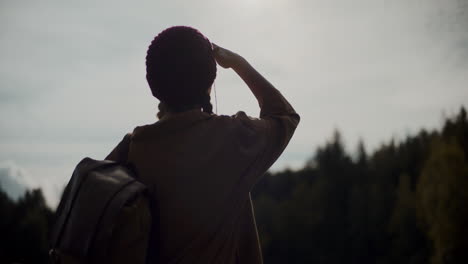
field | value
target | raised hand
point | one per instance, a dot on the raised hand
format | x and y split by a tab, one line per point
226	58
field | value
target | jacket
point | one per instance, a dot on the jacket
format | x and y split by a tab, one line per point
200	168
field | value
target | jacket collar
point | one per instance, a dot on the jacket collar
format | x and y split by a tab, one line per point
171	123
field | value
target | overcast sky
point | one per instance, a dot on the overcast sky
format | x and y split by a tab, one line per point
72	73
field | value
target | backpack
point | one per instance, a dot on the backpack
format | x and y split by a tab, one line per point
103	216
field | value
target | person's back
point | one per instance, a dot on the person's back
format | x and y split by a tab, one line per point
200	167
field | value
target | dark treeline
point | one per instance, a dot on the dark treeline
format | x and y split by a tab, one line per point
24	227
405	203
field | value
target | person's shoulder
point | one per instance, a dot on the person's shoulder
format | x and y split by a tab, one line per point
239	116
142	130
241	121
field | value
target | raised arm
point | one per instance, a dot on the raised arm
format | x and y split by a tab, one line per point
278	119
269	98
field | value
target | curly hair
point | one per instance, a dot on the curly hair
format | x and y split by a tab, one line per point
180	69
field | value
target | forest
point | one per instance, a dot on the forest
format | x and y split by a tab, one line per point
407	202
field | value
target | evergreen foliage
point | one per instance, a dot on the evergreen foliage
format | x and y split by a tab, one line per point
405	203
24	225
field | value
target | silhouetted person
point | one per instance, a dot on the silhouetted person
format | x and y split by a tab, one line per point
200	167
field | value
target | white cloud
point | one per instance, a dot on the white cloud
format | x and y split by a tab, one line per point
14	180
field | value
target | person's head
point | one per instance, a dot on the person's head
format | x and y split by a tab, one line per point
180	69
